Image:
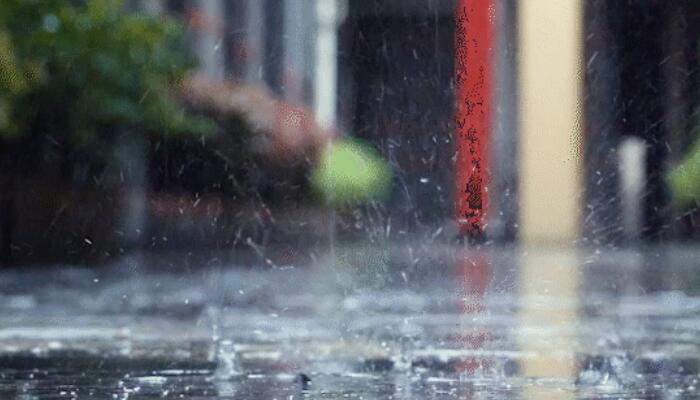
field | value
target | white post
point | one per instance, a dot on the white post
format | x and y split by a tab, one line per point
153	7
550	56
130	154
209	41
293	39
328	16
254	40
631	165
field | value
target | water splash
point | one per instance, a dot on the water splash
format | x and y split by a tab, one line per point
228	364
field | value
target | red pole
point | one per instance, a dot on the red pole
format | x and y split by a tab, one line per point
473	50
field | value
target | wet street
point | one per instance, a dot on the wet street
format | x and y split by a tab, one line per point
369	323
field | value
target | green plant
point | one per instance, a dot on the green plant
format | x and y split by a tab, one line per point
684	179
86	70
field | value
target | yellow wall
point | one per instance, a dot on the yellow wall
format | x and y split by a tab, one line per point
550	46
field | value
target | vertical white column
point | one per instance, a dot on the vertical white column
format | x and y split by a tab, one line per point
209	41
153	7
550	56
255	40
327	15
550	49
631	164
293	65
130	156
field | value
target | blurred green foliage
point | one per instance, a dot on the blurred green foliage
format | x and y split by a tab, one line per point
84	70
350	172
684	179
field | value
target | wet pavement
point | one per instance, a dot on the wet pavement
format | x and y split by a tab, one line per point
371	322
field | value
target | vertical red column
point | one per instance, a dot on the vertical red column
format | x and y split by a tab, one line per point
473	55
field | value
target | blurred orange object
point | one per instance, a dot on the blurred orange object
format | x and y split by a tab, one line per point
287	130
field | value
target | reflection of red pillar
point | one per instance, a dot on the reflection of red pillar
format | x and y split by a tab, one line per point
473	49
474	274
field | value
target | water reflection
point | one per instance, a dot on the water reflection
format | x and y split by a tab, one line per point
547	336
474	274
458	323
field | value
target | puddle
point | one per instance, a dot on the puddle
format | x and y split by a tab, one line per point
479	331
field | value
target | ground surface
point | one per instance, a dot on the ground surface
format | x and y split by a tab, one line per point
373	324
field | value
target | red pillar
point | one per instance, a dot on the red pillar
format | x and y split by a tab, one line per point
473	55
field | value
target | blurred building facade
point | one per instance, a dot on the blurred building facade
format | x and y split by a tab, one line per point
183	193
380	70
641	102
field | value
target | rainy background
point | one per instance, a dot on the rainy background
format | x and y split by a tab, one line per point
242	199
